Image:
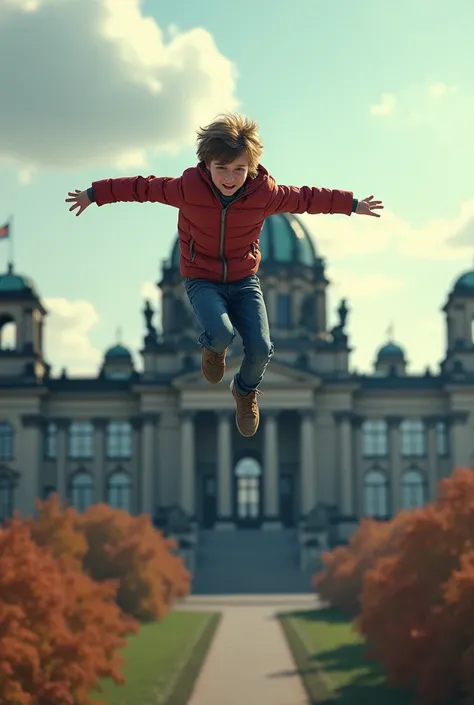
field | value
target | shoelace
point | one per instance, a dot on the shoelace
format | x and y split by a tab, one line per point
213	357
250	403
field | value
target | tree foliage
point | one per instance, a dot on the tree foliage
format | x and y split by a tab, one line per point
59	630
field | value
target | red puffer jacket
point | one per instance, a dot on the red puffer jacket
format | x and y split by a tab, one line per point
216	242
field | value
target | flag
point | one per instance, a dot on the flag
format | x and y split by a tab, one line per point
4	231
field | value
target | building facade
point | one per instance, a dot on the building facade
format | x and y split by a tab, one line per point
148	438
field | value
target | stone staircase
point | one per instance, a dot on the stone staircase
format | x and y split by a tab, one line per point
249	562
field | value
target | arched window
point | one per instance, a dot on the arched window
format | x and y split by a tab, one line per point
81	491
119	491
376	495
248	472
6	497
413	489
8	332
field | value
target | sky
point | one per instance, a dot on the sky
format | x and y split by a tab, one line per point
371	96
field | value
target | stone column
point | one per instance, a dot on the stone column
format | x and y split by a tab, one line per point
188	464
224	467
62	465
27	452
344	442
100	481
430	424
148	464
136	423
460	439
357	423
271	468
395	459
308	477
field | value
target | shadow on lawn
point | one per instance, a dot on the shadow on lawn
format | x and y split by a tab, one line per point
366	678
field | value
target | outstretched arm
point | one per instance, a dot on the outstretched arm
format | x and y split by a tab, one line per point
307	199
139	189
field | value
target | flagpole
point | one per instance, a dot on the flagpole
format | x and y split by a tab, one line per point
10	243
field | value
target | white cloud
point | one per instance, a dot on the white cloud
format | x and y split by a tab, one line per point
346	283
98	83
436	90
441	239
67	336
385	106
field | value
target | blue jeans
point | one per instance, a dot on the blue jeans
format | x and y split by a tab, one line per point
221	309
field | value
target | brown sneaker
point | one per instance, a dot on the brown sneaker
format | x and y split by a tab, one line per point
247	415
213	365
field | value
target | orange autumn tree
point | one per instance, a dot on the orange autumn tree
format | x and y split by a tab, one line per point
128	548
56	527
417	605
59	631
112	544
340	581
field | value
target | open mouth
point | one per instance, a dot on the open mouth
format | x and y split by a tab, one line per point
228	188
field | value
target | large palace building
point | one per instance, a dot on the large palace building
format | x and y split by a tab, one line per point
145	439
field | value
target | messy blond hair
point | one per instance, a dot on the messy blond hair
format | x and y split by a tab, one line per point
227	138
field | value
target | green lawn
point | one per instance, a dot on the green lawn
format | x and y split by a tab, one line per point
329	654
162	661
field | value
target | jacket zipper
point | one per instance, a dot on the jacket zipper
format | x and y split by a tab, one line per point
222	235
192	252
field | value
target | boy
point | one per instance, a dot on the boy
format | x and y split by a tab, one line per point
222	204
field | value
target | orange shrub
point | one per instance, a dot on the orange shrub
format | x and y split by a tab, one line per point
112	544
59	631
56	528
417	605
340	582
129	549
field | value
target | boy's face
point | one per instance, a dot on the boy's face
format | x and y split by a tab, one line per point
228	178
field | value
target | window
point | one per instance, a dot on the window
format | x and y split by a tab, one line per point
413	437
283	311
441	432
50	441
248	474
6	497
6	441
413	489
119	491
81	440
376	495
375	439
119	440
81	491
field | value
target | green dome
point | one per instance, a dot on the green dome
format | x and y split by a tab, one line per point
391	350
11	282
118	352
283	240
465	281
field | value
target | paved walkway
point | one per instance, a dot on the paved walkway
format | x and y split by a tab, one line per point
249	662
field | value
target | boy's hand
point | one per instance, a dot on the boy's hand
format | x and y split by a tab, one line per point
80	200
367	207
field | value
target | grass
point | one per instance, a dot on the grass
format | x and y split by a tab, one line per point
162	661
329	655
